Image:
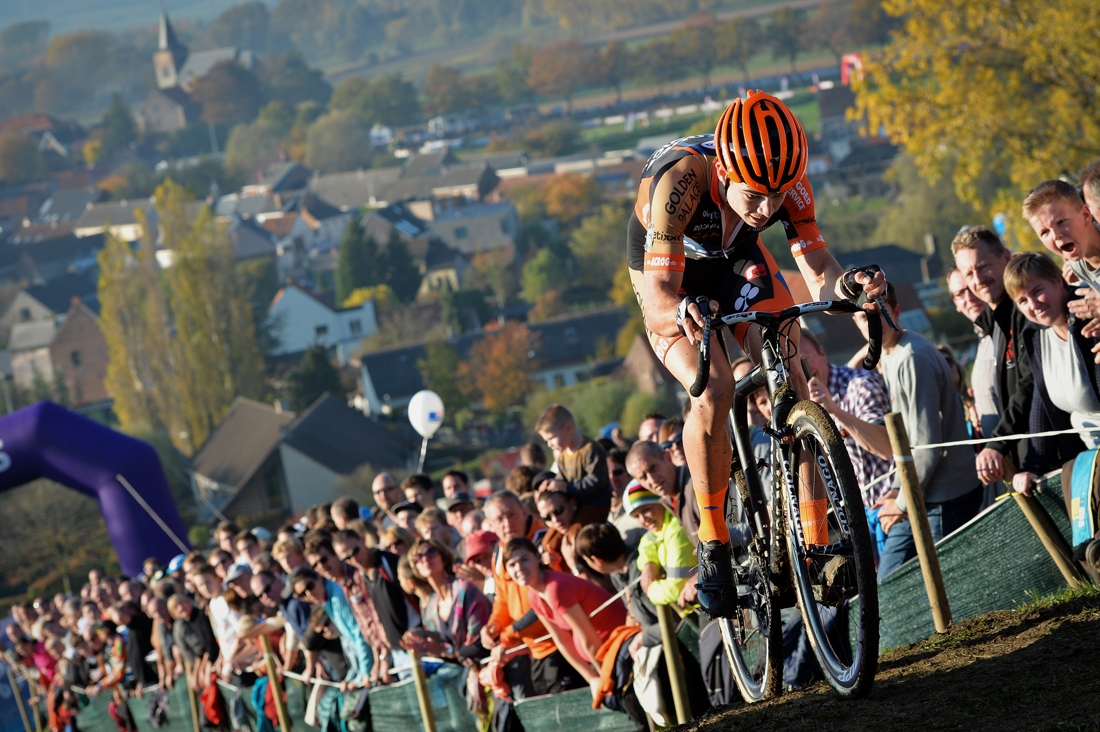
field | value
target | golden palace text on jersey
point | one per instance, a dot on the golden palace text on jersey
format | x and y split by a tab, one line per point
679	213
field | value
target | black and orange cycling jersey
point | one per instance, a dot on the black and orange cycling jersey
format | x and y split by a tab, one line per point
682	223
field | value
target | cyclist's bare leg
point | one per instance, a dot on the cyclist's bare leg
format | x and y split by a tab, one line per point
812	499
706	440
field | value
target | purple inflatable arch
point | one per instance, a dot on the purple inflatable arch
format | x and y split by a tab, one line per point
49	441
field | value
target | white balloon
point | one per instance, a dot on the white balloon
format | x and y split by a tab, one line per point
426	412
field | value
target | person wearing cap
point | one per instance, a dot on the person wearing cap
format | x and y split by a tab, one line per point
666	556
477	566
405	514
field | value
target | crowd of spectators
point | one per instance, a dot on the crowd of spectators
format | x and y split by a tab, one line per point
553	582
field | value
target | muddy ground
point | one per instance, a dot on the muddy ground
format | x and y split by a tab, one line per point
1035	668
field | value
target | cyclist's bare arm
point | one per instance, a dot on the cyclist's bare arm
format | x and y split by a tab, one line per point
674	200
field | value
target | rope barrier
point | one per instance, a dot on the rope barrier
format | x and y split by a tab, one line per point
1008	438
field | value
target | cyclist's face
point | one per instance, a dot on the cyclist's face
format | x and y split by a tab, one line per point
753	207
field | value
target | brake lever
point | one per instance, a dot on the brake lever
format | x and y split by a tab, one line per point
886	314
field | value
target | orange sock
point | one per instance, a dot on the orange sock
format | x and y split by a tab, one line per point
712	516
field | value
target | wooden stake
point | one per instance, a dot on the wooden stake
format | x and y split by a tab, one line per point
195	724
674	663
422	696
918	520
1051	537
273	682
19	700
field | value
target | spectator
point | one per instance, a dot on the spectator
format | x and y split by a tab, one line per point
983	375
377	585
387	494
271	590
432	524
289	553
224	619
922	391
225	534
193	635
344	510
565	604
419	489
454	614
396	540
854	398
627	525
545	670
478	564
671	439
1066	380
139	641
455	481
532	456
1065	225
320	592
248	548
666	557
982	258
472	522
581	463
1090	188
405	514
602	547
519	480
650	427
457	506
558	511
649	465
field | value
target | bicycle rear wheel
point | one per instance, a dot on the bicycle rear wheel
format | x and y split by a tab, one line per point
754	639
829	579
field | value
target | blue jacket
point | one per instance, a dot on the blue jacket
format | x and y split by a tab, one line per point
338	609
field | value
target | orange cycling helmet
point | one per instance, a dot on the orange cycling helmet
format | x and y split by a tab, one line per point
761	143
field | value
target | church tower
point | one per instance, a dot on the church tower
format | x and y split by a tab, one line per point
169	56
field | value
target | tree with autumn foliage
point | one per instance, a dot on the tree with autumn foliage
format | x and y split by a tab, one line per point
559	69
497	371
982	89
181	341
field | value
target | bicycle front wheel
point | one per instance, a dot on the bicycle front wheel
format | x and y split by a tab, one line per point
754	638
834	577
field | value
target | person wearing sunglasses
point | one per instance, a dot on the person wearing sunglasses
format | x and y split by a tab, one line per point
558	511
627	525
671	439
310	587
455	612
377	599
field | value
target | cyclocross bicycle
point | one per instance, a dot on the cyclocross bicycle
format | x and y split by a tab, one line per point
831	578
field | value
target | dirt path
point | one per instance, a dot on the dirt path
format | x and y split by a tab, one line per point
1034	669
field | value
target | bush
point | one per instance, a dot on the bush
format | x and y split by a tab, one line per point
642	403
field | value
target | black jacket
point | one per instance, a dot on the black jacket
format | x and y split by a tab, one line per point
1049	453
1015	379
140	645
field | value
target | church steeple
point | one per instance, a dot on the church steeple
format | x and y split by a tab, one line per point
170	54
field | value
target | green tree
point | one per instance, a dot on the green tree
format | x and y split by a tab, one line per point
229	94
19	159
391	100
870	21
24	37
290	80
510	76
262	140
356	262
119	129
616	67
544	272
831	27
338	141
311	378
697	41
785	33
598	255
247	25
398	269
439	368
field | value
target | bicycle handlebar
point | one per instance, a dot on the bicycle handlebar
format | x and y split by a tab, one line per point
773	320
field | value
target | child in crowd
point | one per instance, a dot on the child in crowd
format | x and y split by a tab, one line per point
581	462
666	557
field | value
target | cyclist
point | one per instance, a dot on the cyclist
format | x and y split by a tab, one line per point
695	230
